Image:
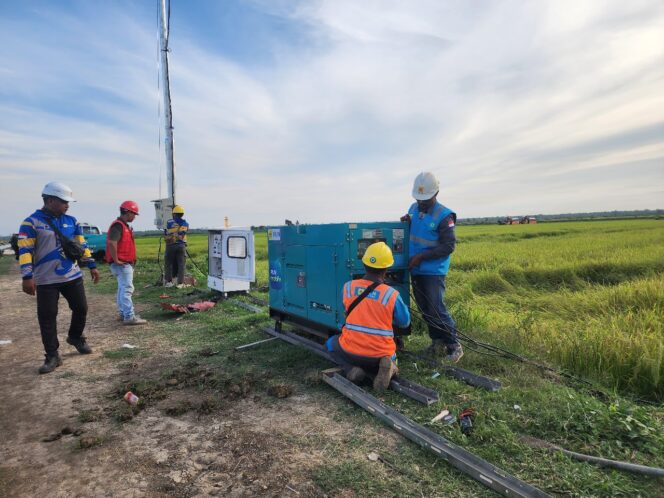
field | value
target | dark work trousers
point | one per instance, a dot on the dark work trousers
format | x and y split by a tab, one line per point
348	360
47	311
429	292
174	259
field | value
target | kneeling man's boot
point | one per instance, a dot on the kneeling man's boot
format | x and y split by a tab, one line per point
50	363
386	369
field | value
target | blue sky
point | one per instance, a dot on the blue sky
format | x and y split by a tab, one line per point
325	111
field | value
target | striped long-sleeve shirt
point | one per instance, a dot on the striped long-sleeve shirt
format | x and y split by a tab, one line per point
40	252
176	232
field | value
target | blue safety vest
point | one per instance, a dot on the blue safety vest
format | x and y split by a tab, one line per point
424	236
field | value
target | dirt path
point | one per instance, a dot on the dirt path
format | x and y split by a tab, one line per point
214	446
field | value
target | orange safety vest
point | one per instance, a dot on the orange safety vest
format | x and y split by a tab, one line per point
368	329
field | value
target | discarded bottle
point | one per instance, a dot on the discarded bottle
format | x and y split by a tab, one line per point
466	425
131	398
465	421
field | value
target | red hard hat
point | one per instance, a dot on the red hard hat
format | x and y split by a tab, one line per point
130	206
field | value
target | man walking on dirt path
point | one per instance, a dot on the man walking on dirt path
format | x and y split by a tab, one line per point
373	308
432	241
51	244
176	247
121	254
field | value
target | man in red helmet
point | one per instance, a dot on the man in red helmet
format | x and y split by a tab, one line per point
121	255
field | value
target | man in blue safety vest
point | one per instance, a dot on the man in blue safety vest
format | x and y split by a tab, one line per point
432	241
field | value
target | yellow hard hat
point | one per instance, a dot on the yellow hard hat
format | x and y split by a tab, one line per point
378	255
177	209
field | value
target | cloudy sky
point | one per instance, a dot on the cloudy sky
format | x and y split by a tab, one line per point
325	110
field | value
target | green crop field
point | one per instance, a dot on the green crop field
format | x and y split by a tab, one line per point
587	297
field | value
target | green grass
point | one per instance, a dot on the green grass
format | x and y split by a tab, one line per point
125	353
586	297
6	263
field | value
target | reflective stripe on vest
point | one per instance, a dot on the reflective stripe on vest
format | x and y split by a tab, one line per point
368	331
424	236
126	245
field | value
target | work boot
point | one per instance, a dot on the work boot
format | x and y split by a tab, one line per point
386	369
437	350
50	363
454	353
355	375
80	344
135	320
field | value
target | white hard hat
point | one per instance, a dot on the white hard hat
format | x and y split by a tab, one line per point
425	186
59	190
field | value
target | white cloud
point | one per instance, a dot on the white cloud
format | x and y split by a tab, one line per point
519	107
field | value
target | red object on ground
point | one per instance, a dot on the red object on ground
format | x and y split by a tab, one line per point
189	308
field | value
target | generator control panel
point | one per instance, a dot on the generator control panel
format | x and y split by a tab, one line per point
309	264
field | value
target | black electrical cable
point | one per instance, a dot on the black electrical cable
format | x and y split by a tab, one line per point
506	353
193	262
420	314
161	268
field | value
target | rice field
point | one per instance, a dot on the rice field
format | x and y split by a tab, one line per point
587	297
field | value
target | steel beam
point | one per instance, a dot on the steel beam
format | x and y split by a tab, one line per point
246	306
403	386
482	471
466	376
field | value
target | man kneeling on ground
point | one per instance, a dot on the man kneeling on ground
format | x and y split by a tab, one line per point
373	309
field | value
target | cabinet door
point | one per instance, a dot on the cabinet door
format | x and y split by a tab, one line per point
322	287
237	260
295	280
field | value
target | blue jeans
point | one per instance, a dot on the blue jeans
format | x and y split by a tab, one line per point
125	276
429	292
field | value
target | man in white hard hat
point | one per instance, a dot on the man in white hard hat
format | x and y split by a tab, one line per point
432	241
52	250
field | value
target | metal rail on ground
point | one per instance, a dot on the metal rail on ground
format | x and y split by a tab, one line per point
482	471
403	386
257	343
246	306
466	376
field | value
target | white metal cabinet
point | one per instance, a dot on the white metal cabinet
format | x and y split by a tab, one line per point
231	259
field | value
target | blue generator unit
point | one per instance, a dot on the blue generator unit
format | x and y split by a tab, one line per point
309	264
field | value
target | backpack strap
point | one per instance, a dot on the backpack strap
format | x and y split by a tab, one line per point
359	298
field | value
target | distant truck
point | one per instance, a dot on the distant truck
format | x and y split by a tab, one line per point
96	240
525	220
